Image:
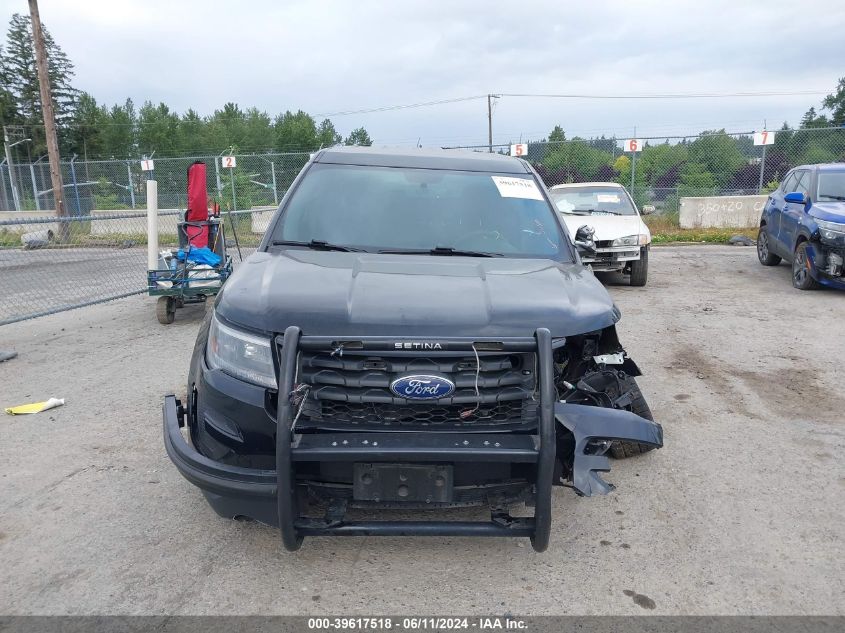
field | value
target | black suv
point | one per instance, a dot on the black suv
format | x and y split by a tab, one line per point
416	331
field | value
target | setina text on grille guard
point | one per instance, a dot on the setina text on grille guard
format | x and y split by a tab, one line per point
270	496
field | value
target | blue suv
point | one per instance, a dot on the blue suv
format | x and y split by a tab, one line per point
803	222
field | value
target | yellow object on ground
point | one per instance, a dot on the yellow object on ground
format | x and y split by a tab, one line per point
36	407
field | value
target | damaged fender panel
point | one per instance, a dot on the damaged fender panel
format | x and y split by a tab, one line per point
588	423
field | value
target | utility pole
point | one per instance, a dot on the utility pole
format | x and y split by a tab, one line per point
490	121
49	116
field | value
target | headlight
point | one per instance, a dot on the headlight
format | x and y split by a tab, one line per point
631	240
240	354
831	230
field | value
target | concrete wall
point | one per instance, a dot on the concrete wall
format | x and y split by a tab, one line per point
259	220
27	215
721	211
131	225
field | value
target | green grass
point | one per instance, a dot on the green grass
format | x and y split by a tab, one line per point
666	229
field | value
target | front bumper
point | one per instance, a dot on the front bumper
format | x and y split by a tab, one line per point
819	258
612	258
270	496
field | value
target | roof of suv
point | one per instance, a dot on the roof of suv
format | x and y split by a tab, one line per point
824	166
423	158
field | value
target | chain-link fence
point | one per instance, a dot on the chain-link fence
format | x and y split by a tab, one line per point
668	168
111	185
97	251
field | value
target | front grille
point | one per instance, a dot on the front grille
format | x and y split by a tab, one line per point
354	390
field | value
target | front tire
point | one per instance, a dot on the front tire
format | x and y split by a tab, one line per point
764	254
801	275
639	269
621	450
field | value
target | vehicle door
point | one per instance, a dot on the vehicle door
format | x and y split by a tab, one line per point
774	208
792	213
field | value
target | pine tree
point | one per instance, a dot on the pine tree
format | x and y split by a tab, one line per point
358	136
812	119
18	63
835	103
327	135
8	106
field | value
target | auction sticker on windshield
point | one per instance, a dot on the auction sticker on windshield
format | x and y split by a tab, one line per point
517	188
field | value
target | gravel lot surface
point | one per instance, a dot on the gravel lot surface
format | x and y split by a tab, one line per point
740	513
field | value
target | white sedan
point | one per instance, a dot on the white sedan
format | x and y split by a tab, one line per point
622	238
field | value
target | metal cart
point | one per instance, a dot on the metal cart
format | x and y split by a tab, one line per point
177	282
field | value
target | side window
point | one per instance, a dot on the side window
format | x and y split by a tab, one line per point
789	182
803	184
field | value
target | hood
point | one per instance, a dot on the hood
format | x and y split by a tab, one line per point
608	227
362	294
829	211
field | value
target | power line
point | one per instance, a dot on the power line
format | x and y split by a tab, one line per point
675	95
400	107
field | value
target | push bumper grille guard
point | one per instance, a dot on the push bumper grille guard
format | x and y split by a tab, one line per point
230	488
426	447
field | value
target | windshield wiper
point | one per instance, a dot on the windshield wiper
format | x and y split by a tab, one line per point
591	211
439	250
317	245
831	196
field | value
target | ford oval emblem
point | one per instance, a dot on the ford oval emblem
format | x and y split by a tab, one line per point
422	387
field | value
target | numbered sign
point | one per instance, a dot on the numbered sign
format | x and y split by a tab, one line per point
147	165
764	138
633	145
228	162
520	149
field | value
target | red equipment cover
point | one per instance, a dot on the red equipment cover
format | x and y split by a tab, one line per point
197	205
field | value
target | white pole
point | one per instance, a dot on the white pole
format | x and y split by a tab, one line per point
152	225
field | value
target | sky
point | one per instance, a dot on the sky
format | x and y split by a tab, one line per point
333	56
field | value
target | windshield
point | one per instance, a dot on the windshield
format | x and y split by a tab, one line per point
592	200
831	185
389	209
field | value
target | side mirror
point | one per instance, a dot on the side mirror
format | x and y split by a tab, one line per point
647	209
584	241
796	197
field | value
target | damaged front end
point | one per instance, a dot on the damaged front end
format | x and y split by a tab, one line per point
585	401
826	254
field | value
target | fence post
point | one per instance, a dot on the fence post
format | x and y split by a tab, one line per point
34	187
152	225
275	194
762	167
15	197
129	182
633	172
75	186
234	201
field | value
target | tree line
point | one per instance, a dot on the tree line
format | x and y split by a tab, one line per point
97	131
711	162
